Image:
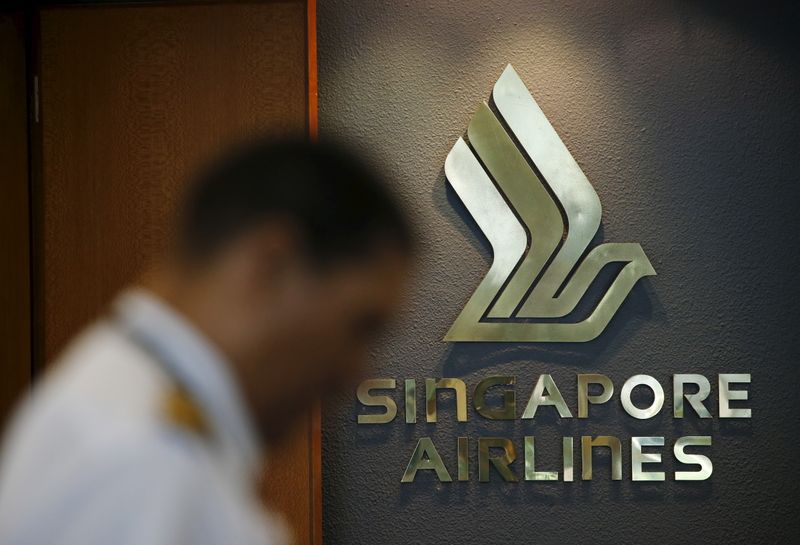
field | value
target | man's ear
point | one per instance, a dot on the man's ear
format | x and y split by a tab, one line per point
274	253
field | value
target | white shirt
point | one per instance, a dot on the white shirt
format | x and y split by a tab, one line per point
90	458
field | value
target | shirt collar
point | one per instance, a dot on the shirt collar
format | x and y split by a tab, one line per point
200	368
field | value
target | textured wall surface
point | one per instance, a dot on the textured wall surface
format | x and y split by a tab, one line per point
684	116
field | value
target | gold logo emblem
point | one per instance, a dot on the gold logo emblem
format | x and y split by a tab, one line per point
539	212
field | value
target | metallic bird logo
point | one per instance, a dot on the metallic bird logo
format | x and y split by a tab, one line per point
539	212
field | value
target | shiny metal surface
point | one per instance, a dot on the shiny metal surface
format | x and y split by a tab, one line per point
695	399
525	227
500	463
552	397
587	443
566	179
411	401
528	196
530	464
584	398
425	456
463	458
368	400
639	458
627	390
496	220
509	409
726	395
432	386
567	455
706	467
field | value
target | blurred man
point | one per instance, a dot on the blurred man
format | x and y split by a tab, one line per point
290	258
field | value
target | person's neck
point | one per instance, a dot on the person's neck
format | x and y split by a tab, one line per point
200	300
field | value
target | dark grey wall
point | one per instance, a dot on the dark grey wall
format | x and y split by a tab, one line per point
684	116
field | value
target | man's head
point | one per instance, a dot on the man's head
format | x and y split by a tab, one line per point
291	257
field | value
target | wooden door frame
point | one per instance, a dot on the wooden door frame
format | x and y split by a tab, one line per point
315	428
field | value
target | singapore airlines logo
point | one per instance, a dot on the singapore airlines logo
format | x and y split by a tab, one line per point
539	213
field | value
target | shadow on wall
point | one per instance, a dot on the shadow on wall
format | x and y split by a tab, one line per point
773	23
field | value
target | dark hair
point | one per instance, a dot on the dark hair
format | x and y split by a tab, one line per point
340	207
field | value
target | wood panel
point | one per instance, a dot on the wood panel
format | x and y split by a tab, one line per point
15	318
132	99
315	428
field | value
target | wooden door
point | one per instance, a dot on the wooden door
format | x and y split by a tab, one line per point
131	99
